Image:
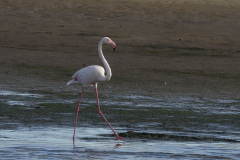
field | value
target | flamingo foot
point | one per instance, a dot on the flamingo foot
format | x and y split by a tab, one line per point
119	138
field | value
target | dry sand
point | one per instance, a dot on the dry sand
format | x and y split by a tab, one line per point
163	46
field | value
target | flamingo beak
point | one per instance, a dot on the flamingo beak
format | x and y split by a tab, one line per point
113	45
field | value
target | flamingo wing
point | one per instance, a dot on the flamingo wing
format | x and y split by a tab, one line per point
87	76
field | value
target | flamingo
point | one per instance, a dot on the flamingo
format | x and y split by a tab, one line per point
91	75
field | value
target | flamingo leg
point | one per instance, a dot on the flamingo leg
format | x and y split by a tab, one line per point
77	110
99	111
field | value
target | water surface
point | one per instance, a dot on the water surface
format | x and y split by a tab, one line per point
40	126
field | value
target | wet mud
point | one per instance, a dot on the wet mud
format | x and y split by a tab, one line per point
174	93
167	137
148	123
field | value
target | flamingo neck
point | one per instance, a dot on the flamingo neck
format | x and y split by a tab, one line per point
106	65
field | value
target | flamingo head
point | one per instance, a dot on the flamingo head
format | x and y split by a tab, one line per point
109	41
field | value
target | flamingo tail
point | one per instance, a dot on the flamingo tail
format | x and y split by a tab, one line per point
71	82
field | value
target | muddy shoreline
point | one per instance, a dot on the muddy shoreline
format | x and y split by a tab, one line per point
162	47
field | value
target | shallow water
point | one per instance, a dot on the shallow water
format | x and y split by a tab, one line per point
56	143
40	126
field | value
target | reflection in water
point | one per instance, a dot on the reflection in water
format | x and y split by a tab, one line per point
118	145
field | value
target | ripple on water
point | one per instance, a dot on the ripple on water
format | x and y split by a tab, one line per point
13	93
56	143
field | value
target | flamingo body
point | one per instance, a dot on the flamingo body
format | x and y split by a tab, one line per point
90	75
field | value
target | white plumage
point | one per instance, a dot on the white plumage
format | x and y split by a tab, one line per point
88	76
91	75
